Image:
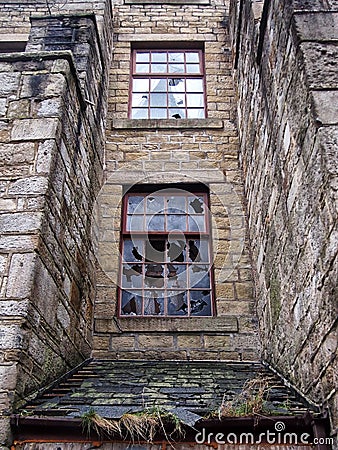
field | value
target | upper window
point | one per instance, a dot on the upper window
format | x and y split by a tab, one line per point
167	84
166	269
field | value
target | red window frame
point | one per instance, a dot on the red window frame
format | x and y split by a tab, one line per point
183	284
178	94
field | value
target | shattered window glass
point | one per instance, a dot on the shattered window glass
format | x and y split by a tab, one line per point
167	84
166	269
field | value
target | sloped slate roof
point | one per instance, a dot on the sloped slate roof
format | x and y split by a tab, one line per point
191	389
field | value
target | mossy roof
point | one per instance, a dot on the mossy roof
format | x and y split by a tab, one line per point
192	389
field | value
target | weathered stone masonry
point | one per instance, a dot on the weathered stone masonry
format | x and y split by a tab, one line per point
183	151
287	85
51	168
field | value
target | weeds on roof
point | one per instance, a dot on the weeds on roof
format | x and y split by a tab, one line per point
140	426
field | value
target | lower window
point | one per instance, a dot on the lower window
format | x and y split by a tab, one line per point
166	257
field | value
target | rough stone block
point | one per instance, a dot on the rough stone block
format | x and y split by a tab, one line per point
21	274
20	222
317	26
155	341
31	185
34	129
320	62
9	83
326	106
14	154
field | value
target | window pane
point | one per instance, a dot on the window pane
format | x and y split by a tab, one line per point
196	113
195	205
154	276
193	68
155	222
199	276
135	204
155	250
156	113
194	85
154	303
139	100
176	250
157	68
200	303
155	203
138	113
159	57
176	57
142	68
141	85
132	276
192	57
177	113
198	251
176	99
142	57
177	303
131	303
195	100
133	250
177	276
196	223
176	222
176	68
135	223
158	99
176	85
176	204
158	85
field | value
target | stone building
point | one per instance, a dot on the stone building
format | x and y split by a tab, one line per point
168	219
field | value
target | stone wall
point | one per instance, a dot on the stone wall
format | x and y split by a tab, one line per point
52	144
287	88
180	151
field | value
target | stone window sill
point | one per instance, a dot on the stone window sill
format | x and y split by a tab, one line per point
140	124
227	324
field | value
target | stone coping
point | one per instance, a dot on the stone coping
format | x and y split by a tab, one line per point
140	124
168	2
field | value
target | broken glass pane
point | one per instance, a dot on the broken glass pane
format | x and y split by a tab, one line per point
142	57
198	250
131	276
200	303
135	223
155	250
199	276
177	303
176	222
176	250
177	113
132	250
154	277
176	68
194	85
131	303
177	276
176	57
176	204
176	85
154	303
155	204
135	204
157	113
195	205
196	223
155	222
139	100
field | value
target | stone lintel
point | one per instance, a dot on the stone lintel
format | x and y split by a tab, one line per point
141	124
203	37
